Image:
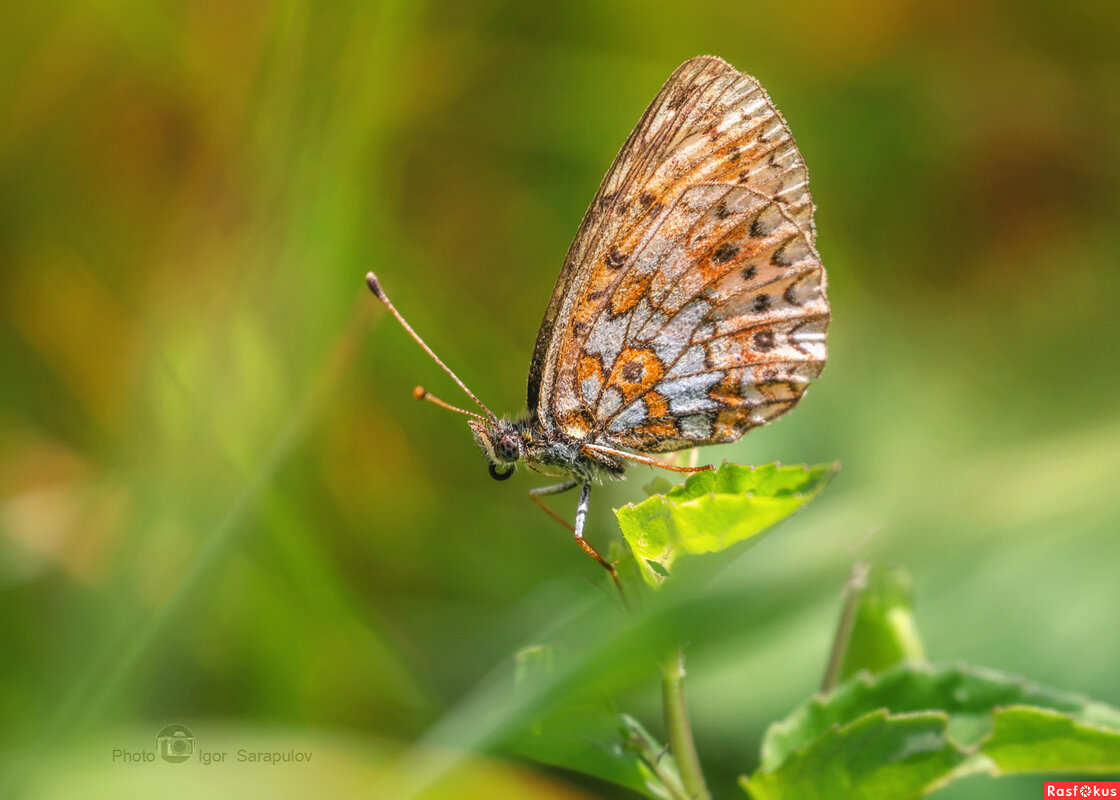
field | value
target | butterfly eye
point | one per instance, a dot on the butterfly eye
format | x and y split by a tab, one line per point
500	476
506	448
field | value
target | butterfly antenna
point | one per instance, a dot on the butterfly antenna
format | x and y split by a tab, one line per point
375	287
420	393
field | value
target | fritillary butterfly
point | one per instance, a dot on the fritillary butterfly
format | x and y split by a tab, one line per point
691	306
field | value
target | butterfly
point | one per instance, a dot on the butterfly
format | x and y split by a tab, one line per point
691	306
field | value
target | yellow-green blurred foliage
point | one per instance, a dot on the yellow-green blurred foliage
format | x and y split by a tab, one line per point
220	505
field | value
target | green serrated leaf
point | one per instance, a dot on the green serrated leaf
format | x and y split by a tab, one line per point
877	755
714	510
1026	739
906	755
968	694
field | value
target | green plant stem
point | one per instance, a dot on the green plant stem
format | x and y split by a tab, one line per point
680	731
852	590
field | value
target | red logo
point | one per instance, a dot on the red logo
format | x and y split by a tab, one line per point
1082	789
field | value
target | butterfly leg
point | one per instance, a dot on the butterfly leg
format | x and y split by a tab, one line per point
536	494
653	462
581	518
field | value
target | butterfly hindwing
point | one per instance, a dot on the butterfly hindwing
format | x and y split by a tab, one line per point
692	305
724	344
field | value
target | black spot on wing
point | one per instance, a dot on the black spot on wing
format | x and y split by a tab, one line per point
724	253
764	341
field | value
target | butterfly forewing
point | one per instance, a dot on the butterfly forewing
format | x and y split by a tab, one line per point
692	304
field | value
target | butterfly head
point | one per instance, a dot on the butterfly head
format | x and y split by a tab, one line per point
502	443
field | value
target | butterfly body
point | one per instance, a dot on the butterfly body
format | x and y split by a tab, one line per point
556	455
691	306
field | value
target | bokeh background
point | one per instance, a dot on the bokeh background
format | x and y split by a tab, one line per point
220	506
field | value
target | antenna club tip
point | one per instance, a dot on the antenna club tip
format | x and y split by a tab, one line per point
419	392
374	286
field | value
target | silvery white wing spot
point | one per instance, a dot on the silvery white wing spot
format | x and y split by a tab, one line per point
691	306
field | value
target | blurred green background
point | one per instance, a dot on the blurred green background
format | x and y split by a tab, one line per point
220	506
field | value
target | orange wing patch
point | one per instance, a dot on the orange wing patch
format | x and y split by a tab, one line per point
637	370
630	291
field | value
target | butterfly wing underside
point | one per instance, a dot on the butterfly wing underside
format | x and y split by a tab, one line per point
691	306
